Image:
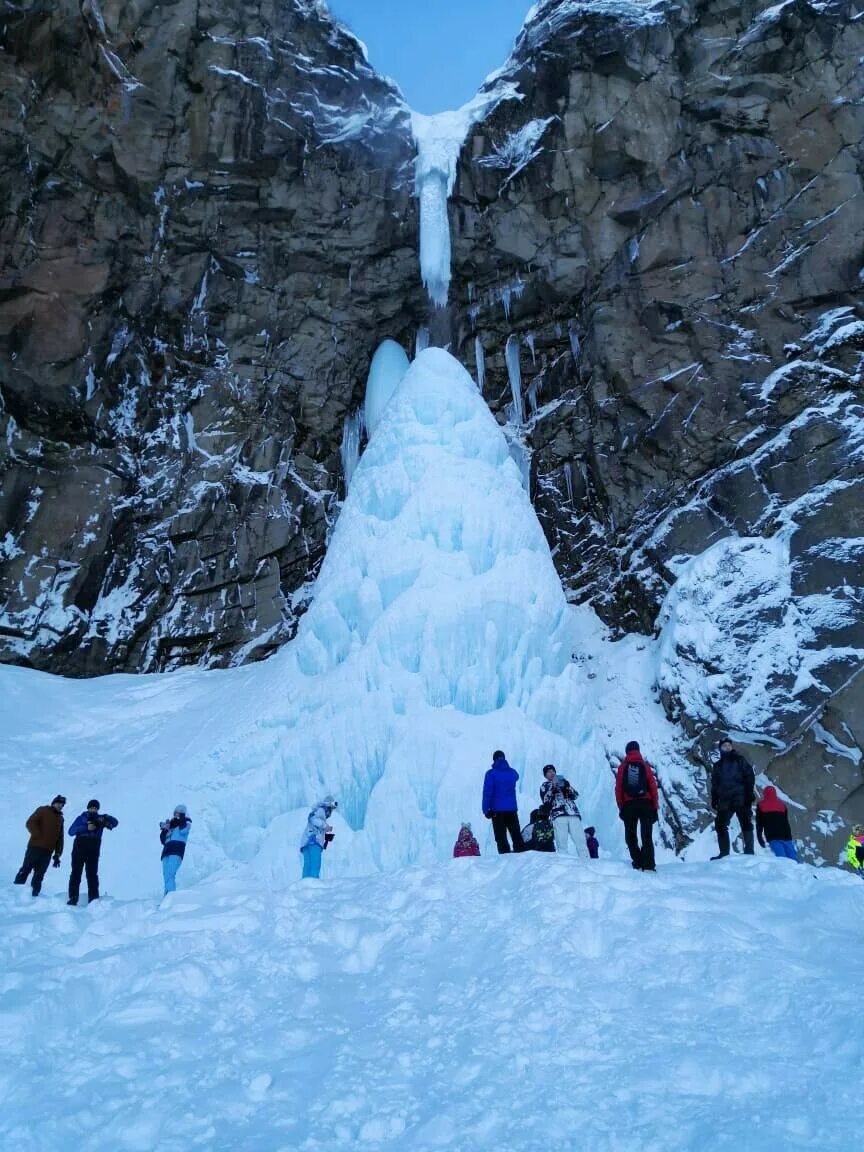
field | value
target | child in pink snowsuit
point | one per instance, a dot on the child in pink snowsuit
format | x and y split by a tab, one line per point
466	843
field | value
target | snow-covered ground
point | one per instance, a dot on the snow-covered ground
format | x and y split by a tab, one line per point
533	1003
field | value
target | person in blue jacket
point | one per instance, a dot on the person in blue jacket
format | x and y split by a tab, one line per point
499	804
174	833
316	836
87	830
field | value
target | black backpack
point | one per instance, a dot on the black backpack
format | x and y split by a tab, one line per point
635	782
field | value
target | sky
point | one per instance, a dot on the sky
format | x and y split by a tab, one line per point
439	52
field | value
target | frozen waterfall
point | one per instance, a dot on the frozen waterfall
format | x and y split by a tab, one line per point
439	141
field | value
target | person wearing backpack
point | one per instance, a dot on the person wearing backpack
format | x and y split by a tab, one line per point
733	787
539	835
638	803
560	797
772	824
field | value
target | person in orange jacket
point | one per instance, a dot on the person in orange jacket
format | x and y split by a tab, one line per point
638	803
46	837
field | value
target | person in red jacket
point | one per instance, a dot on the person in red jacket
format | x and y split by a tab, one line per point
638	804
466	843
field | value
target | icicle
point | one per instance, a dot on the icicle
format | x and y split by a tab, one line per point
352	433
568	480
575	346
514	372
532	393
421	340
529	340
480	357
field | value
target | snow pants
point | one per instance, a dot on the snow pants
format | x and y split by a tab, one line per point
638	817
721	826
170	865
784	849
569	828
311	861
85	857
502	823
36	860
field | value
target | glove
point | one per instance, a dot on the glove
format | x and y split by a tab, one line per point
488	815
655	816
328	836
621	812
859	853
56	861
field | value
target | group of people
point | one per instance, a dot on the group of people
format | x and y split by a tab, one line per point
555	825
46	828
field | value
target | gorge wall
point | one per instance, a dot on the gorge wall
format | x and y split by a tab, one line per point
209	224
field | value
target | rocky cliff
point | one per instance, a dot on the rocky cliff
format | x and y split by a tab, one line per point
207	223
667	233
658	257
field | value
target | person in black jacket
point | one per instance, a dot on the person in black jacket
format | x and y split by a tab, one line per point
87	831
733	786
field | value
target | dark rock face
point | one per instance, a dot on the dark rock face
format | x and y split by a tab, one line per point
670	227
208	225
206	208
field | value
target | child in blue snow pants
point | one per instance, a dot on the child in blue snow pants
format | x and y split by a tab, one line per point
311	861
170	865
783	848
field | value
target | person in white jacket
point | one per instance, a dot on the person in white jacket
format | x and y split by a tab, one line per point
560	796
316	837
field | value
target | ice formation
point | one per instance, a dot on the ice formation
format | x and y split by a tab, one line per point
438	631
389	365
439	140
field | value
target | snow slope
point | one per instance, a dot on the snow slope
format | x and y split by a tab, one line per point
437	633
531	1003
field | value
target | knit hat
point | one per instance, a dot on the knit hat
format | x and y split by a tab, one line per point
92	804
498	755
724	740
547	767
590	831
181	808
465	827
329	802
858	829
632	746
58	799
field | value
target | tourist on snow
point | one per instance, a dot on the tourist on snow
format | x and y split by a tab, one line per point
733	786
499	803
174	833
87	830
539	835
638	803
560	797
592	844
466	843
855	849
317	835
46	837
772	824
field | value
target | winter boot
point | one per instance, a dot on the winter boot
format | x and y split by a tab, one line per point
720	856
73	903
19	879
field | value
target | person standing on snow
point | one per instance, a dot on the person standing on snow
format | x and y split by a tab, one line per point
46	837
466	843
560	798
772	824
317	835
855	849
87	830
638	803
592	843
499	804
733	787
174	833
